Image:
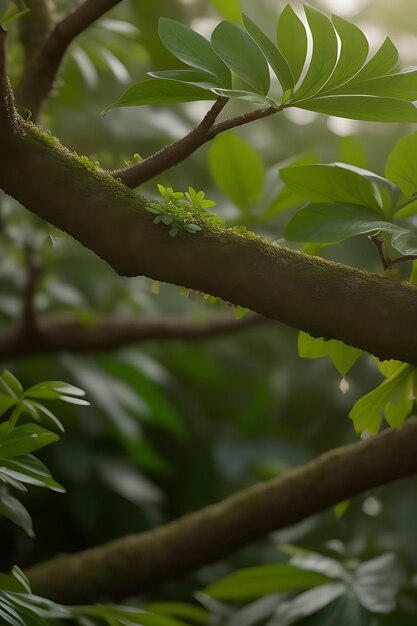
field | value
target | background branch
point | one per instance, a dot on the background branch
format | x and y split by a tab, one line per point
55	334
139	562
41	70
8	123
180	150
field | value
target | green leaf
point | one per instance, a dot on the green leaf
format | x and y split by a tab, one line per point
306	604
331	223
6	402
250	96
16	512
285	197
401	165
57	386
161	91
365	108
28	469
192	49
275	58
330	183
352	152
183	610
237	169
405	243
239	51
402	86
344	611
384	61
187	76
342	356
11	10
353	53
292	40
254	582
368	410
324	56
24	439
10	382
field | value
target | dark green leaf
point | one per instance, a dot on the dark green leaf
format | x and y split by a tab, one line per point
401	165
6	402
193	49
15	512
366	108
330	183
353	53
273	55
324	56
402	86
292	40
187	76
12	383
239	51
161	91
331	223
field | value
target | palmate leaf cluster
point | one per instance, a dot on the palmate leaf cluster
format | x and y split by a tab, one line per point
338	79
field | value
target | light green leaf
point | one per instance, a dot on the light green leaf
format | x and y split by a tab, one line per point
24	439
344	611
239	51
368	411
6	402
230	9
275	58
182	610
237	169
353	53
10	382
384	61
352	152
365	108
342	356
16	512
324	56
401	165
402	86
292	40
254	582
11	10
330	183
161	91
192	49
331	223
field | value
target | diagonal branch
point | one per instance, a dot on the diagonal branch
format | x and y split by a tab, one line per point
57	334
368	311
178	151
40	72
136	563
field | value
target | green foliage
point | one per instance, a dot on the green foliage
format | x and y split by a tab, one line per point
183	212
342	356
237	170
11	10
338	592
337	81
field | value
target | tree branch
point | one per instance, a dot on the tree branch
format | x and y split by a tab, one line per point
368	311
136	563
35	26
40	72
178	151
8	124
55	334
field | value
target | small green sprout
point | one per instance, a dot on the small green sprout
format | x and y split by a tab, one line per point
182	211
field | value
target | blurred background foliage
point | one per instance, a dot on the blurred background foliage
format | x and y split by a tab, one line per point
175	425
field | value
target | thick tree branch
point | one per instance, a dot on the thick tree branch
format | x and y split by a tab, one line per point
372	312
139	562
178	151
34	27
41	70
54	334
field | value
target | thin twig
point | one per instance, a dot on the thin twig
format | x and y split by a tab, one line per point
405	257
176	152
379	242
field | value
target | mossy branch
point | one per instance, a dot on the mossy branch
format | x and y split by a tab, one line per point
137	563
